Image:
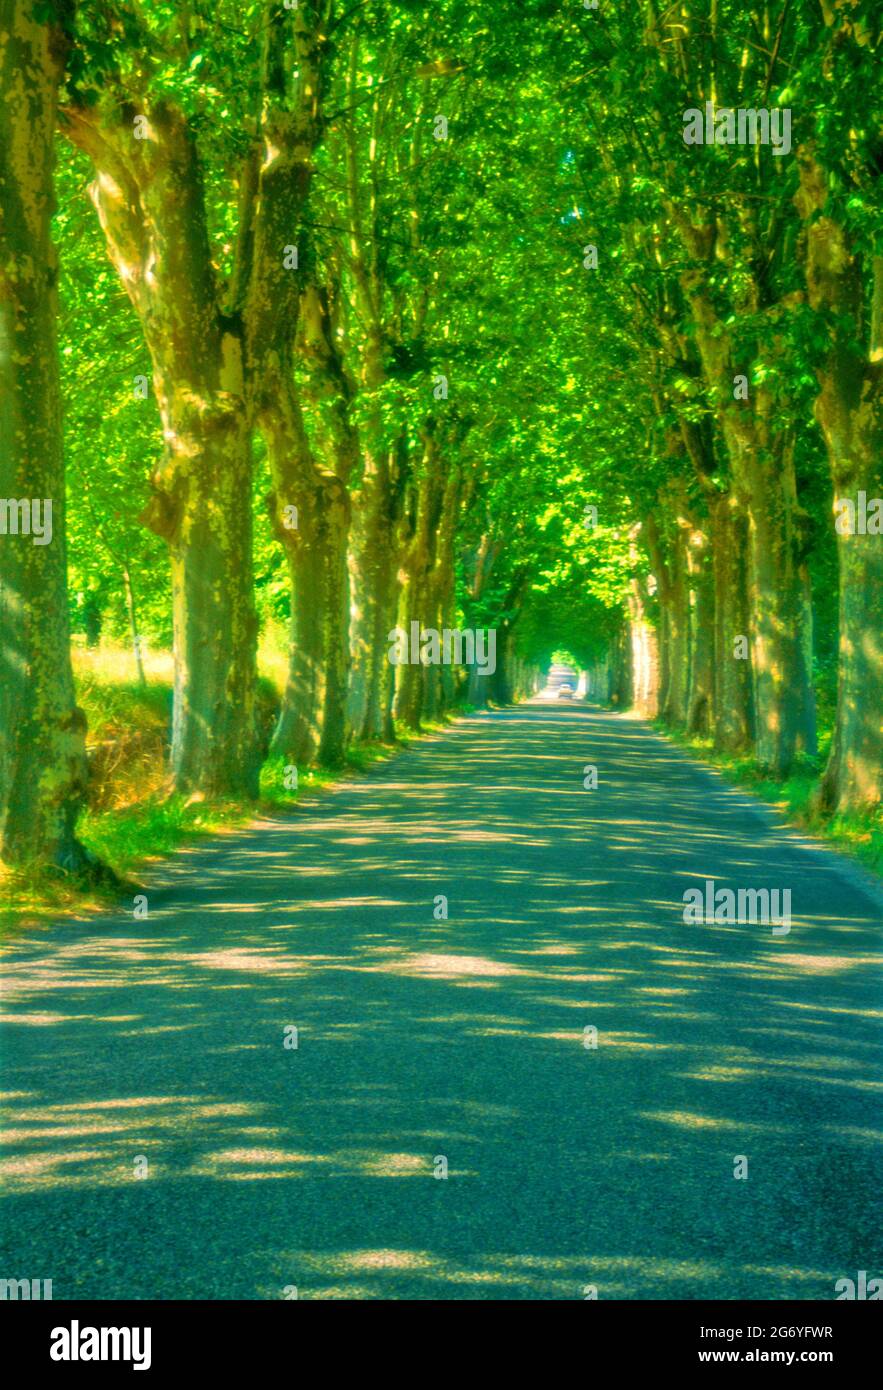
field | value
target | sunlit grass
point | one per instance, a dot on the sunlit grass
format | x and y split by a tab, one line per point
133	817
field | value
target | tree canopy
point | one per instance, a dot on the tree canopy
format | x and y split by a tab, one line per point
559	321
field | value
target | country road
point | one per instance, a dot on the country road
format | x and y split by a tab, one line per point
569	1167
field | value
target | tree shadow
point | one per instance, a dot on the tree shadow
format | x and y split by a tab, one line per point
463	1038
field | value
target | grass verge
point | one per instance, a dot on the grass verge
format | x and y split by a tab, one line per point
860	836
132	818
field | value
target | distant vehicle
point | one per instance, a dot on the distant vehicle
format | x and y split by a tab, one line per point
565	691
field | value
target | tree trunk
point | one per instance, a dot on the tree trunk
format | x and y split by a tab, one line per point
853	779
759	439
438	689
477	693
807	730
645	648
432	673
622	679
849	409
501	680
312	720
43	767
733	724
214	741
409	688
422	518
335	731
150	201
297	733
330	392
374	589
134	634
700	698
669	561
783	697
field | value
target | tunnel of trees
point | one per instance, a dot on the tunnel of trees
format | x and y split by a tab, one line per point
330	318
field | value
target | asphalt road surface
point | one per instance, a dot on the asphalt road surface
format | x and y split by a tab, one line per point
158	1046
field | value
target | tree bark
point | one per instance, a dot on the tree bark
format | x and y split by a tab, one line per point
733	723
667	554
134	631
644	641
853	778
374	589
849	409
330	393
760	446
421	519
149	198
439	687
783	697
208	527
312	719
43	769
700	697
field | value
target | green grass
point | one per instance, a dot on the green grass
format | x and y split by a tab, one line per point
860	836
133	817
152	828
156	826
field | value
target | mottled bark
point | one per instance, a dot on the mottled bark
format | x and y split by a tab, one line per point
477	691
438	685
700	696
374	594
720	695
330	393
783	696
645	668
149	197
308	505
419	536
409	688
644	643
733	724
441	691
42	732
483	563
760	445
599	683
310	490
807	730
621	678
208	527
667	553
853	779
388	317
312	717
849	408
502	680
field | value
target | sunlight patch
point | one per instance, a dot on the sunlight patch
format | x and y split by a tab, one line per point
449	967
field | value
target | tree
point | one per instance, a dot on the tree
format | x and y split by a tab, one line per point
839	199
42	732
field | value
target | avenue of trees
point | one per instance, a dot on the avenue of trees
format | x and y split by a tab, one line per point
346	316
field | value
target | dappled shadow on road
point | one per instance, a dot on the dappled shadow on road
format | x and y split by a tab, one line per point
463	1039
